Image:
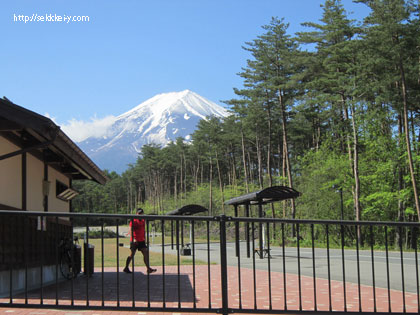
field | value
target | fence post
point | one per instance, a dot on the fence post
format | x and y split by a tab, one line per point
223	265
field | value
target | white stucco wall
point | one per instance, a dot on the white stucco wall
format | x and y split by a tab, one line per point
11	182
34	180
10	176
55	204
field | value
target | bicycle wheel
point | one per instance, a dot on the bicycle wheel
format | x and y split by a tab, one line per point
66	267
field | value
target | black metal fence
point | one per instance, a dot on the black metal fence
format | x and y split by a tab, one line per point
214	265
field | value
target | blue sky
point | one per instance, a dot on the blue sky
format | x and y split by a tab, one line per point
131	50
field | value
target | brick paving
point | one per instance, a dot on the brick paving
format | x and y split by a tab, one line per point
247	299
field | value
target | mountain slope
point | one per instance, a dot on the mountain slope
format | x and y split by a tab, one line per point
160	119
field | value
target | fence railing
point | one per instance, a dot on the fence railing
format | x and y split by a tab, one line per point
209	264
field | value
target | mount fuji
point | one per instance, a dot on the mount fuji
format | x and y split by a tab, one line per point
158	120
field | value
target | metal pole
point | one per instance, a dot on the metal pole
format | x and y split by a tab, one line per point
236	232
248	245
223	265
260	231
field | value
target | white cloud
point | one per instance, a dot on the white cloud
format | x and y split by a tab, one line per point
79	130
50	117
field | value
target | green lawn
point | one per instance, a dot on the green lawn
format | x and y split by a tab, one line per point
110	254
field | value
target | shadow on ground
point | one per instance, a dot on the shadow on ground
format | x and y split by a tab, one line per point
113	285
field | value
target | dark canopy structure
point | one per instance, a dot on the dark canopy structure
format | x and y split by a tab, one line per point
259	198
188	210
264	196
185	210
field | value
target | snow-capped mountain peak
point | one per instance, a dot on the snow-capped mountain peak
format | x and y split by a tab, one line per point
159	120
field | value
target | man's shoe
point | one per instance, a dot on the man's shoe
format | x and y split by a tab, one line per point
151	270
126	270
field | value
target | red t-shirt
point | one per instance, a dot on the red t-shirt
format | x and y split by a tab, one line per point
138	230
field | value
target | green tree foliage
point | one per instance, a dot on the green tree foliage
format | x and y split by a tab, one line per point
334	109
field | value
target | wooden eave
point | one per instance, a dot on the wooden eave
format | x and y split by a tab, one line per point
44	139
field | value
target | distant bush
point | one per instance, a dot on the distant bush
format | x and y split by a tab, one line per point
97	234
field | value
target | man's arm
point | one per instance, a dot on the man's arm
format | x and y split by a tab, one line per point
129	230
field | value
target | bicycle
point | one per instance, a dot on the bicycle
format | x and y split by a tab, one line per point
70	260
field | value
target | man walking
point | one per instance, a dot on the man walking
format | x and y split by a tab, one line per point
137	241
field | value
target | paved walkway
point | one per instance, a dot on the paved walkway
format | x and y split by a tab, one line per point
179	290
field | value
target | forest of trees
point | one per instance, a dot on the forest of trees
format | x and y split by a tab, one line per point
335	109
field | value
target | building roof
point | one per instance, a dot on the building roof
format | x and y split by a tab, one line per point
188	210
264	196
41	137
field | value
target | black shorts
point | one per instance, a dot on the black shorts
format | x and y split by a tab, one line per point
138	245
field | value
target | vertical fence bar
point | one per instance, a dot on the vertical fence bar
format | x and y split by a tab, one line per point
132	240
253	264
402	270
87	259
163	264
387	270
248	247
102	262
313	265
193	255
27	222
148	262
260	232
236	232
182	234
269	266
329	267
284	266
223	265
356	228
344	267
72	263
56	263
25	256
178	262
172	234
117	228
239	278
208	262
373	267
41	259
299	270
11	284
414	236
11	259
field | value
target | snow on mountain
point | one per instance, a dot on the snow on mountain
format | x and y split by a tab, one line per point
159	119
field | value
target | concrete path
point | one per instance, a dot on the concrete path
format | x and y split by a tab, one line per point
321	263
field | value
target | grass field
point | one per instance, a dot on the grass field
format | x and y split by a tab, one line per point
110	254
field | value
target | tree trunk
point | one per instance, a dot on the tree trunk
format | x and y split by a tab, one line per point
259	158
181	177
196	174
286	151
244	161
284	171
270	177
175	188
220	183
356	173
185	174
407	140
211	188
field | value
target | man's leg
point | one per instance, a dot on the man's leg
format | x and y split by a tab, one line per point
145	252
129	258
